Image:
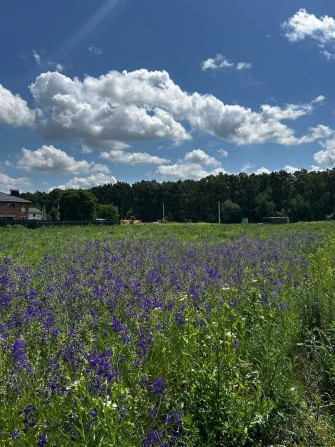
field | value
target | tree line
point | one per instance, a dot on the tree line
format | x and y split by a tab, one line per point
301	195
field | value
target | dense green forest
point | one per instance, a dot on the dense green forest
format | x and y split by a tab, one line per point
303	196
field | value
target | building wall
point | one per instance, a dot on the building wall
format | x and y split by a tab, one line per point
35	216
13	211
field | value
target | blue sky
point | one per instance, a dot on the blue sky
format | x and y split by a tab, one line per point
99	91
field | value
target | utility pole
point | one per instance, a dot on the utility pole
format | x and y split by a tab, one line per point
219	212
163	220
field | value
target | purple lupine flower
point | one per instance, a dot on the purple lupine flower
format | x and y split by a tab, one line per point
116	325
153	412
4	279
71	333
15	435
236	343
18	353
179	316
233	303
158	386
150	438
174	417
4	299
42	440
29	409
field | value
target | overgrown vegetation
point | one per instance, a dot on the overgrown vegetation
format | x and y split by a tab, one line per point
168	335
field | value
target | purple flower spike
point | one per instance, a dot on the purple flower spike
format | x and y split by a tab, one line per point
18	353
14	435
158	386
42	440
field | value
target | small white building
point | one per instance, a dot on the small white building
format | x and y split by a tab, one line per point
34	214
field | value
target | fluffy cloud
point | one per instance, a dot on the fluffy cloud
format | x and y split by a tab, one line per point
87	182
191	166
290	169
186	171
51	159
326	158
116	109
133	158
7	183
219	62
14	110
262	170
317	133
197	156
267	126
303	25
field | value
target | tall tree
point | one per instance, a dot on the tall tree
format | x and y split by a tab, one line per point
231	212
77	204
108	212
147	200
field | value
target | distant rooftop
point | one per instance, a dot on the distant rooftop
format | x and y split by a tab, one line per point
11	198
34	210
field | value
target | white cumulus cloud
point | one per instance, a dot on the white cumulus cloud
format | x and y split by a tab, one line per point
191	166
7	183
87	182
326	158
51	159
116	109
290	169
262	170
303	25
14	110
200	157
133	158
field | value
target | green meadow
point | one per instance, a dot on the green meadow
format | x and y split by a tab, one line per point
168	335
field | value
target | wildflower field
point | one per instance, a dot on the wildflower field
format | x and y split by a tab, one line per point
168	335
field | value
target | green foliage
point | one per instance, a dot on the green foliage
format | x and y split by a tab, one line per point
108	212
303	196
231	212
264	205
77	204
